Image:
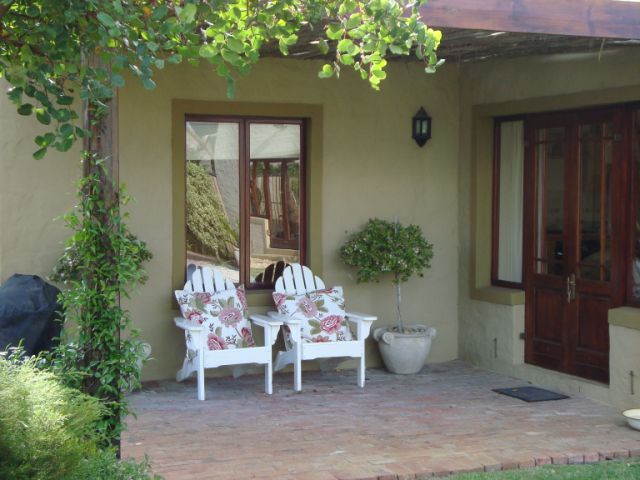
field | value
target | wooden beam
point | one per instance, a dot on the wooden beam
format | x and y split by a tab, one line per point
585	18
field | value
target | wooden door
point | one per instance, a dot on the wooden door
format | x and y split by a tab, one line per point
574	238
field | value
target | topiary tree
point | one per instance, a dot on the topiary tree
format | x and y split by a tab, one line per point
384	248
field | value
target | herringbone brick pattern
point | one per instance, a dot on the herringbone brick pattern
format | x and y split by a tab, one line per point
445	419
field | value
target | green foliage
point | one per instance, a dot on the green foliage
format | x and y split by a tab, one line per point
46	428
54	52
208	229
106	466
102	261
383	247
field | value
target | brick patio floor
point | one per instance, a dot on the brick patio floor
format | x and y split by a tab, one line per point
445	419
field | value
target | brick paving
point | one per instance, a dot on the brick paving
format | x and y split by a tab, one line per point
444	420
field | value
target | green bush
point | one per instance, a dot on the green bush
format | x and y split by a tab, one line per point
105	466
208	229
388	249
46	428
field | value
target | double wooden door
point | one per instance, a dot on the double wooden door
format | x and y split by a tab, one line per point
574	238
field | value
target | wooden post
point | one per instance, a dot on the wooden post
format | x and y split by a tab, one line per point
102	145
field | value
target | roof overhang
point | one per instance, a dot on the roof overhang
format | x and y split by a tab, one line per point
583	18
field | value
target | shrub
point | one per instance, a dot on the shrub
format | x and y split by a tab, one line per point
46	428
208	229
384	248
105	466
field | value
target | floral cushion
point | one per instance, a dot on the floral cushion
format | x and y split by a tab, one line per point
224	315
322	314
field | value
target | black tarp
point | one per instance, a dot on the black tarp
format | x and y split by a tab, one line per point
29	312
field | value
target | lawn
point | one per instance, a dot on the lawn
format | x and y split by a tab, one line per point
612	470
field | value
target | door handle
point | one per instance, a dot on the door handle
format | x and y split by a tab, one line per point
571	288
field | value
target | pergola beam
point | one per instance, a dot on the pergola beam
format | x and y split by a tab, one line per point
585	18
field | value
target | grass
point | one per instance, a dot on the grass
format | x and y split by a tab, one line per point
611	470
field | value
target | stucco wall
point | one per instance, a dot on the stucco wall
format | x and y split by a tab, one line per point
503	88
370	167
32	194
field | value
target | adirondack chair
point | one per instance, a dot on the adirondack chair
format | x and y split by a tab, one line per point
211	281
299	280
272	273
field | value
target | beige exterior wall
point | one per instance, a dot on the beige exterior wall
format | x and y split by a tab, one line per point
369	166
492	318
32	194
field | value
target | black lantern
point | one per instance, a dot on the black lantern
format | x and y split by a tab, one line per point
421	127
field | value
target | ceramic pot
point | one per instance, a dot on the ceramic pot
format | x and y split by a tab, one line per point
405	353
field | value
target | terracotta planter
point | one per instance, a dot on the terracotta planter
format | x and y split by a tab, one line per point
405	353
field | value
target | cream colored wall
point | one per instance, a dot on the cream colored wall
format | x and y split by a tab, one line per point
32	194
507	87
370	167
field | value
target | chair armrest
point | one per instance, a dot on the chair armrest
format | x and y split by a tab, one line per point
182	323
270	326
363	323
265	321
355	316
284	319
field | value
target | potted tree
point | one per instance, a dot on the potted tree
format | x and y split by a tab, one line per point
388	249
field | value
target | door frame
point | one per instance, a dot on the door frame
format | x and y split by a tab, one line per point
620	235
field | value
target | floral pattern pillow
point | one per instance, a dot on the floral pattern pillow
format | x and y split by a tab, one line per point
322	314
224	315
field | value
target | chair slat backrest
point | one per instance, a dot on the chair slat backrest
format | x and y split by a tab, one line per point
206	279
297	279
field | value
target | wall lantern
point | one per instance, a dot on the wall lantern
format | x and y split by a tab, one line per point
421	127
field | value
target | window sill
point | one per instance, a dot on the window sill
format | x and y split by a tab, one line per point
499	295
628	317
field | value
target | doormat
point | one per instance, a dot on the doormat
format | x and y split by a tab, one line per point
531	394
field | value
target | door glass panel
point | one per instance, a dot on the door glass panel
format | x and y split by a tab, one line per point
595	153
213	201
274	230
550	165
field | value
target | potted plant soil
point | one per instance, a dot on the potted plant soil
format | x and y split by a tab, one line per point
384	249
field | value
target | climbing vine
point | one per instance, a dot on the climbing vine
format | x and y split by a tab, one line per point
45	46
102	261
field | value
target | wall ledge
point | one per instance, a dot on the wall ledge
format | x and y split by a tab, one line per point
499	295
628	317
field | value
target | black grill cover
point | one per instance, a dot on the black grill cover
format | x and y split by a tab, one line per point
29	311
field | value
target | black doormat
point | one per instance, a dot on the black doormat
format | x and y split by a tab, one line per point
531	394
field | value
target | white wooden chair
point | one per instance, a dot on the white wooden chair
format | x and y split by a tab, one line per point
211	280
297	279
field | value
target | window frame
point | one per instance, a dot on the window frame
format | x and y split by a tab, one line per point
495	205
244	122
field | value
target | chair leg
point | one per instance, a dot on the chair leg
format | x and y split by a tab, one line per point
361	369
201	374
297	369
268	378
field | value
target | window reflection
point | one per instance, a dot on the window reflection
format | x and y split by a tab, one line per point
274	199
213	200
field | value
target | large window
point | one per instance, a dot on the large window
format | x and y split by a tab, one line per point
245	202
506	267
